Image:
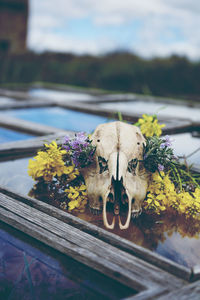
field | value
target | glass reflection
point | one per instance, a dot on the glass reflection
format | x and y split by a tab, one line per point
31	270
8	135
59	118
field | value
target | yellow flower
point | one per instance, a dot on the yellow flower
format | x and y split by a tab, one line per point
77	196
73	175
48	163
156	176
82	187
149	126
69	169
162	196
73	204
157	203
54	149
162	207
72	193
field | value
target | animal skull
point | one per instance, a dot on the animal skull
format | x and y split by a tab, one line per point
113	177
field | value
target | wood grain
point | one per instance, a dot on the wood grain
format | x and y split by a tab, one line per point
187	292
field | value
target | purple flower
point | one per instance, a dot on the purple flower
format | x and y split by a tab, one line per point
75	144
160	167
67	147
66	139
145	156
80	141
80	148
75	158
81	137
162	146
81	134
167	142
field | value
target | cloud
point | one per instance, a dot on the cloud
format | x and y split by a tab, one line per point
60	43
165	27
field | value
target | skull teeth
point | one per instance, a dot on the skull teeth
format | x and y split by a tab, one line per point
136	213
95	211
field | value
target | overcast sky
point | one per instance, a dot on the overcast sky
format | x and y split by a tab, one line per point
145	27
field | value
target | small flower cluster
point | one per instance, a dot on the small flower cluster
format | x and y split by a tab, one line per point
157	154
48	163
172	187
54	171
149	126
163	196
80	149
77	196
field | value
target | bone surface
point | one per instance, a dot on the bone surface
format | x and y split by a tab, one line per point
109	180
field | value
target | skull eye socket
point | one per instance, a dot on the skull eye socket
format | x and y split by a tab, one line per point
132	165
103	164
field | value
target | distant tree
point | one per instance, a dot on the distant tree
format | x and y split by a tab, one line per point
118	71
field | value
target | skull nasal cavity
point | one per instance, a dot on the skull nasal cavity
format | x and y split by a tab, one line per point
111	197
103	164
124	198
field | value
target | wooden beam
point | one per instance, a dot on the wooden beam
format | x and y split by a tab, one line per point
27	104
26	148
187	292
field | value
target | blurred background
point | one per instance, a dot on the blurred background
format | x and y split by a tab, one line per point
146	47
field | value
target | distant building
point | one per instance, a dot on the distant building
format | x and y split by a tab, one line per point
13	25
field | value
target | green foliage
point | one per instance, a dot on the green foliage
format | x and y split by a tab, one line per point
172	76
183	177
157	154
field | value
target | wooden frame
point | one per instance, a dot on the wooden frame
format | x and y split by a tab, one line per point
153	276
92	107
149	273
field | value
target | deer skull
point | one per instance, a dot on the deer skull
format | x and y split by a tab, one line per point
114	178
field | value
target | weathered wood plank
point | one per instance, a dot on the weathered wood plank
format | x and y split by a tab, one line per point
144	273
149	294
24	97
105	236
14	94
35	142
187	292
130	97
195	273
28	147
28	104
